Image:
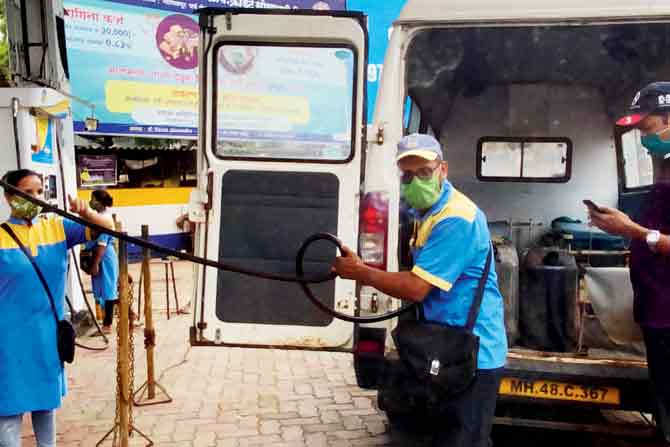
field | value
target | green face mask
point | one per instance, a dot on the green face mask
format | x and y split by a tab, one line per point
422	194
656	146
95	205
23	209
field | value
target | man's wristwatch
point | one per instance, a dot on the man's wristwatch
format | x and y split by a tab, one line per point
652	239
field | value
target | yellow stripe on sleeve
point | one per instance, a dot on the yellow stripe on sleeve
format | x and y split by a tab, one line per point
432	279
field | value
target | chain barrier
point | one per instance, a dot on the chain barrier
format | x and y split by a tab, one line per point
119	393
131	351
124	394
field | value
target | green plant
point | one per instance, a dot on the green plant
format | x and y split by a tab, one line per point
4	45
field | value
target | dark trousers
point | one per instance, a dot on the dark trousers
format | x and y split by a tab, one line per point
109	312
468	418
657	342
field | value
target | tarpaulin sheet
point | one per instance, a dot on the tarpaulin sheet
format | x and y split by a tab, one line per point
611	295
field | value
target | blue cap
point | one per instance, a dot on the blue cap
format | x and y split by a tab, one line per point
419	145
654	98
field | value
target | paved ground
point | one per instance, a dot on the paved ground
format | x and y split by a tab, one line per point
238	397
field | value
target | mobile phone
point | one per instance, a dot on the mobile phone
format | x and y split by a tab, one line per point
593	206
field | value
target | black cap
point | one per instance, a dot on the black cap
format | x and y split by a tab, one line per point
654	98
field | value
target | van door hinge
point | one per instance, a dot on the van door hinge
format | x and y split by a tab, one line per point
229	21
374	303
380	135
210	190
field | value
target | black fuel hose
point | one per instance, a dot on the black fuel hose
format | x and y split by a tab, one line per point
15	125
301	279
74	258
90	311
299	260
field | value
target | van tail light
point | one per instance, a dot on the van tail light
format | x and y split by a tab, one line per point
370	347
373	230
369	356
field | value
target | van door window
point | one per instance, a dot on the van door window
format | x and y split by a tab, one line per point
638	168
544	160
520	159
500	159
292	102
413	119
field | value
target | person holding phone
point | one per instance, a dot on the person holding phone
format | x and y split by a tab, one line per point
650	241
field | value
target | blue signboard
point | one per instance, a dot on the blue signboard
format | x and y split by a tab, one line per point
136	60
189	6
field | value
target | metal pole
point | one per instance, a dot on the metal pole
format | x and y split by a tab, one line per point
148	315
25	39
146	394
167	289
124	337
15	125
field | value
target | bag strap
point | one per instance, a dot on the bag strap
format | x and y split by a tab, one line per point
479	296
420	312
25	251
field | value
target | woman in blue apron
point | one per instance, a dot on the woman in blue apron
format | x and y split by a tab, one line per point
32	378
105	265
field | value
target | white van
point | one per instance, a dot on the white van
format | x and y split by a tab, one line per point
523	96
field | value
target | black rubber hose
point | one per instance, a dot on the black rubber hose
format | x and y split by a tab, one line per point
74	258
90	310
81	345
47	207
300	279
299	261
15	125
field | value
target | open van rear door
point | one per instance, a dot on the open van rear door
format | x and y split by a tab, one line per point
282	110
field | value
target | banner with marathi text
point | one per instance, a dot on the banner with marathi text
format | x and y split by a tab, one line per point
136	61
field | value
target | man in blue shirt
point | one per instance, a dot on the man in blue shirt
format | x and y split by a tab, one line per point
450	250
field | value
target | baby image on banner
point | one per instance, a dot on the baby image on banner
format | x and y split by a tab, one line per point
177	39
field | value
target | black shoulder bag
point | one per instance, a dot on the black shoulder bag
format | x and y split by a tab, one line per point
85	260
65	334
442	357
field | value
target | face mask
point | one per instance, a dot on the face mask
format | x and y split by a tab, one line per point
23	209
656	146
94	204
422	194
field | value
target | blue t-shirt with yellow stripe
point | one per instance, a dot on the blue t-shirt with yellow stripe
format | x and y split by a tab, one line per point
450	250
105	283
31	373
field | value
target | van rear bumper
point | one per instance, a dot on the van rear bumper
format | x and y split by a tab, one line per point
626	378
579	374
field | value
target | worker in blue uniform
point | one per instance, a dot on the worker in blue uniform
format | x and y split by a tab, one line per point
32	377
105	264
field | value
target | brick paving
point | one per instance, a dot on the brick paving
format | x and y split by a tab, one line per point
232	397
224	397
